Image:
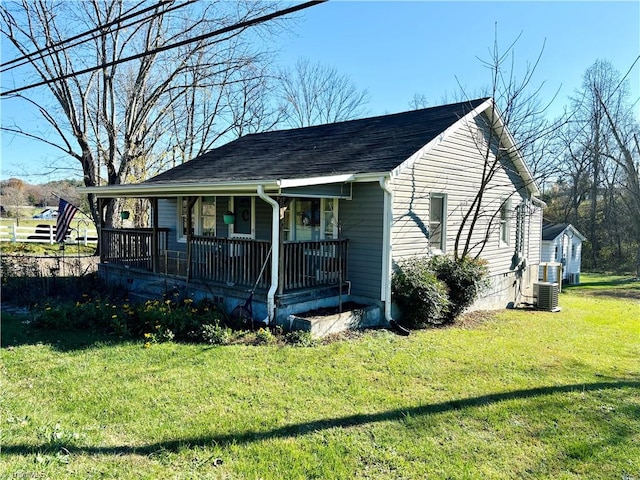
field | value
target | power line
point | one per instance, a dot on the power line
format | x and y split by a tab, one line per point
49	50
220	31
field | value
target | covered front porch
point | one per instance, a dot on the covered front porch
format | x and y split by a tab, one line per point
284	249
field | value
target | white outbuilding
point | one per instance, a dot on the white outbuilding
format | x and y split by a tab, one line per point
561	247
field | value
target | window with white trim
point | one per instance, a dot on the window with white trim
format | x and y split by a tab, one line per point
203	217
244	225
520	224
505	231
183	203
438	222
208	216
311	219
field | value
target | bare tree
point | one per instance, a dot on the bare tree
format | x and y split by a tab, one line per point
595	164
517	103
136	118
13	196
628	160
313	94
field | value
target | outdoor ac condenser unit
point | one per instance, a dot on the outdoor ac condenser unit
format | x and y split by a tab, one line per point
547	296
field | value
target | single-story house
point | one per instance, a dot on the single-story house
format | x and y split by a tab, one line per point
315	217
562	246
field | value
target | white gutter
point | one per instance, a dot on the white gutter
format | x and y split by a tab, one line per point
537	202
164	189
303	182
385	291
275	252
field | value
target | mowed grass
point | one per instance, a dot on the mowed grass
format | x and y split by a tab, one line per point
519	395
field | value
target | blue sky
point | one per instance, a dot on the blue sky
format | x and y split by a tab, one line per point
398	49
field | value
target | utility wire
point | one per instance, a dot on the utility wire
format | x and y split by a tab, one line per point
49	50
220	31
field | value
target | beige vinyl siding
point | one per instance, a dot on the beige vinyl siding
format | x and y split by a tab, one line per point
454	167
361	221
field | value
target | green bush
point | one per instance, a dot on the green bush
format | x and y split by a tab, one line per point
437	290
215	334
421	297
300	338
464	278
156	320
263	336
90	314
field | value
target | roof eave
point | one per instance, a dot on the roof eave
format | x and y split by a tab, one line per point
158	190
185	189
514	152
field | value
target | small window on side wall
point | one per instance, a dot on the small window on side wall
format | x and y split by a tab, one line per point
504	222
438	222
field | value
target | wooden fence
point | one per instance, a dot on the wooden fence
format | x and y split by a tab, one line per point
46	234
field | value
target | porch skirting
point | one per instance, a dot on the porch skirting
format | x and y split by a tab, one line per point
143	285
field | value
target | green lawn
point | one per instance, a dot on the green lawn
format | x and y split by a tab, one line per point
522	395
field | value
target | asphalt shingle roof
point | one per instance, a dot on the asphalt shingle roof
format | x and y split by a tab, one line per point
369	145
552	230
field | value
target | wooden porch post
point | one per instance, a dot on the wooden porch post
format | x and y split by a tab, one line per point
155	244
102	203
284	204
190	203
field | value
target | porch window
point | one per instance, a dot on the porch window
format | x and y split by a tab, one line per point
208	216
183	203
330	218
203	217
311	219
438	222
244	224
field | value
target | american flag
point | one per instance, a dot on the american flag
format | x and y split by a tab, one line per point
66	211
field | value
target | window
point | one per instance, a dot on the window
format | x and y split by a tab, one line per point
208	216
244	223
520	216
504	223
438	222
183	203
330	217
203	217
311	219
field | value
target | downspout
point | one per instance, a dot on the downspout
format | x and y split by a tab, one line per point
275	252
387	220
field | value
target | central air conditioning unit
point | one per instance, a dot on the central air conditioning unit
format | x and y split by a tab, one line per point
574	278
547	294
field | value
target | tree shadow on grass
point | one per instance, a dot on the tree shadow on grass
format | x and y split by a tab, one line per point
291	431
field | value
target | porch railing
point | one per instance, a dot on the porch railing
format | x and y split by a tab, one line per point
306	264
314	263
132	247
231	260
